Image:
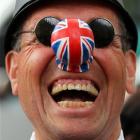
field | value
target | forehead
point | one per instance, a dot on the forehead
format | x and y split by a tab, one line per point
82	10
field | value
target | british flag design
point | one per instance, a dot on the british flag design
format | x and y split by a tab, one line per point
73	42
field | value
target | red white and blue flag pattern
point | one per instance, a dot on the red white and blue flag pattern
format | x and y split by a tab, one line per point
73	42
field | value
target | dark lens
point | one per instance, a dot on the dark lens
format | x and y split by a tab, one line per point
44	29
103	32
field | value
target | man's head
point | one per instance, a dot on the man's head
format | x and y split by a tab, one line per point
69	105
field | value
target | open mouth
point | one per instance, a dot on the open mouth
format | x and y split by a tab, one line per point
71	93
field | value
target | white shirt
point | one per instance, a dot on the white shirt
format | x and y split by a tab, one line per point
33	136
121	137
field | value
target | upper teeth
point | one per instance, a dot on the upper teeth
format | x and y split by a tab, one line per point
76	85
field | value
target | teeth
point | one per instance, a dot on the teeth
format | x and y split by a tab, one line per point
92	89
58	87
74	104
64	87
84	87
70	86
77	87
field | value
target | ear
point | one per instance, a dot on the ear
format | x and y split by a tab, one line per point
11	69
130	59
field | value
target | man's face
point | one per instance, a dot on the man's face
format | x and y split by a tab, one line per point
70	114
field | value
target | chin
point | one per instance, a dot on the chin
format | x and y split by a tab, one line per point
75	131
76	134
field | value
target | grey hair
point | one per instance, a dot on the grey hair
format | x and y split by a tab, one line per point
17	44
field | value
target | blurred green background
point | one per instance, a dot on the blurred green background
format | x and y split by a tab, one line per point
133	6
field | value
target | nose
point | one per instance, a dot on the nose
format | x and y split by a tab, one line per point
73	43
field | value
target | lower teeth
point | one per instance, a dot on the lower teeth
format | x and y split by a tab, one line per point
74	104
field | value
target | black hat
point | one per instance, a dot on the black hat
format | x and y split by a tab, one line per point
24	6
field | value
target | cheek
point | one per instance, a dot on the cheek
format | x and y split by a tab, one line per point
113	64
32	63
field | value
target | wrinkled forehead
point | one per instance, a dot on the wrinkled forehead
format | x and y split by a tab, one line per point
67	9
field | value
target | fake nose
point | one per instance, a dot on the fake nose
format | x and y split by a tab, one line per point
73	42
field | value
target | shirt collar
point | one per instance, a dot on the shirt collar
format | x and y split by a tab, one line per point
33	136
121	137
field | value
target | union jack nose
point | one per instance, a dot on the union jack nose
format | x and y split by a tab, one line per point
73	42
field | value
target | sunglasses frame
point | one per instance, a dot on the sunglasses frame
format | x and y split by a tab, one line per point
34	31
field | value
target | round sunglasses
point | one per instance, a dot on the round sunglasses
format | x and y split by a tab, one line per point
102	29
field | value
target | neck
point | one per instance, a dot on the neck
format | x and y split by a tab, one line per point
116	133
